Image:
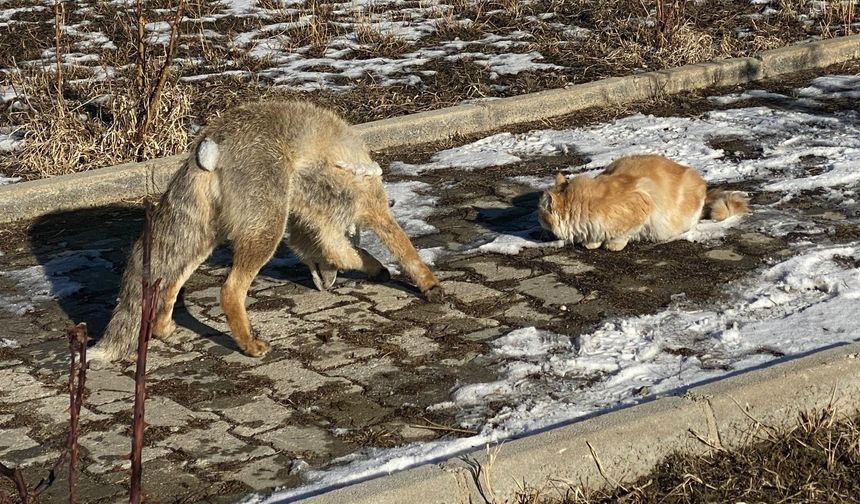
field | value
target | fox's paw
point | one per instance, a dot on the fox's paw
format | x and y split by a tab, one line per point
382	276
164	330
435	294
256	348
323	276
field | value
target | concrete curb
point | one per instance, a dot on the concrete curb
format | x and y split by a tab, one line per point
631	441
136	180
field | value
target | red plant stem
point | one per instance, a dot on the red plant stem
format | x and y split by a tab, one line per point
17	478
77	345
147	316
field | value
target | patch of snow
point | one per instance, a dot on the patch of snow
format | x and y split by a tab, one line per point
747	95
792	307
833	86
514	242
786	136
37	284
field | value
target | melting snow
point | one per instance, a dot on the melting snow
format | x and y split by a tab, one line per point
791	307
44	282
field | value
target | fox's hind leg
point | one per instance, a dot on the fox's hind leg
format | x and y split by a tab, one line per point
251	250
164	324
325	253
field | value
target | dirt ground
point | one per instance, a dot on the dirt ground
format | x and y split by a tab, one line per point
352	368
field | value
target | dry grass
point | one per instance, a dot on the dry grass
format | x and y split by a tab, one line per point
96	126
375	44
621	37
815	460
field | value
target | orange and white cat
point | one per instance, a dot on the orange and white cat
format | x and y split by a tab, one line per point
642	197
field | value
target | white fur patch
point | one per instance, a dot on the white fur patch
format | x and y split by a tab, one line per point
366	169
207	154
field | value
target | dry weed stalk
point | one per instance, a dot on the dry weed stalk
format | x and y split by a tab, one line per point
147	317
150	91
138	114
59	23
376	43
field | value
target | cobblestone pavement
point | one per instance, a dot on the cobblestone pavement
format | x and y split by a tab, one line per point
351	368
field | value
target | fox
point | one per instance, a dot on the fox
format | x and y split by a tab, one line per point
638	197
255	172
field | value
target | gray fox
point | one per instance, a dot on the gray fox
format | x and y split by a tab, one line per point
254	172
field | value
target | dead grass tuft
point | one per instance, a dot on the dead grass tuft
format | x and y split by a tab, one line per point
96	127
375	44
312	35
815	460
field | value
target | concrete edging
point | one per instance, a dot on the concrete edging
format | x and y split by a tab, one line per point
136	180
631	441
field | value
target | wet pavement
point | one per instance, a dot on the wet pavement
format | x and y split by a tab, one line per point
351	368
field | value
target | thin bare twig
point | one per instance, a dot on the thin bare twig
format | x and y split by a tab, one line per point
439	427
77	380
150	99
611	481
59	22
147	316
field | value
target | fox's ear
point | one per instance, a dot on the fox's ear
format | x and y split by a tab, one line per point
560	179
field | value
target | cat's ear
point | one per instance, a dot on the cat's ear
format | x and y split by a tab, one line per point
560	179
552	198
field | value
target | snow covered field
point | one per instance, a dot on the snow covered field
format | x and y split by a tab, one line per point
368	59
795	305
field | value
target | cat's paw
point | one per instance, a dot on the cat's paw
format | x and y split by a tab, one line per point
435	294
593	245
616	245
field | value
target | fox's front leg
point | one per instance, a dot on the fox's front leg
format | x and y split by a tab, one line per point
381	222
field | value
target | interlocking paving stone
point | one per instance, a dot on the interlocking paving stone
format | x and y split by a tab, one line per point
289	376
469	292
213	445
569	265
56	410
550	290
723	255
492	271
337	353
384	297
353	314
13	442
366	371
258	415
264	473
414	343
109	450
16	385
316	301
299	439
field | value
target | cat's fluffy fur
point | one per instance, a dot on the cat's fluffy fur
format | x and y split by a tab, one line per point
643	197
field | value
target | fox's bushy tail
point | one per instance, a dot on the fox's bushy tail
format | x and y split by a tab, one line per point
182	235
721	204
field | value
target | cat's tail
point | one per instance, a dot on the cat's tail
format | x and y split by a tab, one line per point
721	204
